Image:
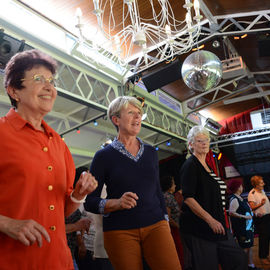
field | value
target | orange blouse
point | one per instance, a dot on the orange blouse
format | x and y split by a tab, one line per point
36	177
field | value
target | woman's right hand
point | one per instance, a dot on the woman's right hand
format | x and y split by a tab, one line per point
26	231
128	200
216	226
263	201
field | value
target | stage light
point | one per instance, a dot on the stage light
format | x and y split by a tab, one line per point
168	143
78	131
95	123
219	156
156	148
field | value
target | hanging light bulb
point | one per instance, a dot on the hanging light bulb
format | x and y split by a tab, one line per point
198	16
187	4
168	30
189	22
117	44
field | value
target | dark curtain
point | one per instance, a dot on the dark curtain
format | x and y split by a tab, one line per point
250	156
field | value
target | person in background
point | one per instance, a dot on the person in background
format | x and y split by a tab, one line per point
85	254
75	226
260	206
135	218
168	188
241	218
202	219
36	171
100	254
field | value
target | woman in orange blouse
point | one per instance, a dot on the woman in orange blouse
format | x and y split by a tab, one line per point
36	171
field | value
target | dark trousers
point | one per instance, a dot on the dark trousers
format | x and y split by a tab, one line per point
103	264
209	254
87	262
262	225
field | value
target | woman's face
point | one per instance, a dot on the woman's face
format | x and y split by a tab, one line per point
172	189
200	144
260	184
37	97
129	121
240	189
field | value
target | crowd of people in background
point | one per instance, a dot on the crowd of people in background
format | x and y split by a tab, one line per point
122	214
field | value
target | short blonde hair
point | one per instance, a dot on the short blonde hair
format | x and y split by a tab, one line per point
255	180
121	102
195	131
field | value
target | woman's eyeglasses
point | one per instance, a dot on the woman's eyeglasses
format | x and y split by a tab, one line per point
202	141
41	79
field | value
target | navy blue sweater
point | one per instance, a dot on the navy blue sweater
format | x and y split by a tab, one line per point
122	174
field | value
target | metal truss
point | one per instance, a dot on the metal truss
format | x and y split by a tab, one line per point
242	137
190	105
243	134
213	26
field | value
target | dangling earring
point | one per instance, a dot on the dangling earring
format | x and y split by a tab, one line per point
17	99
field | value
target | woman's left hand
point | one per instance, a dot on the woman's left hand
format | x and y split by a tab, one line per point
85	185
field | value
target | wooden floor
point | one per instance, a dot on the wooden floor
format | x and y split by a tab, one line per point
256	259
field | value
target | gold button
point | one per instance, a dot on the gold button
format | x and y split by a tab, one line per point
51	207
50	187
50	168
45	149
52	228
50	137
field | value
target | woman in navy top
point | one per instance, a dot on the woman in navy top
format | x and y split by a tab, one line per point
135	219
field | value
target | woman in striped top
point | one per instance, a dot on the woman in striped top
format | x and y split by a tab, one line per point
202	221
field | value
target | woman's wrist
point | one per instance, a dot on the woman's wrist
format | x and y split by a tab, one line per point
73	199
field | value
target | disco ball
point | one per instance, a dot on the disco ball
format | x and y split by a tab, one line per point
202	70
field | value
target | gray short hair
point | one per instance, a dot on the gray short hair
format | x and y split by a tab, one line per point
193	132
121	102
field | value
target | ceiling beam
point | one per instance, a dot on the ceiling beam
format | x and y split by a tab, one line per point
247	97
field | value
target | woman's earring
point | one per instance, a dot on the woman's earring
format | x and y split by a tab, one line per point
17	99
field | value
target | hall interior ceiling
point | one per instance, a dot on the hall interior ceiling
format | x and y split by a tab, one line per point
84	94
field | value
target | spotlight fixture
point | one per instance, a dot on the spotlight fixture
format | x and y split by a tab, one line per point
219	156
168	143
141	99
238	37
95	123
78	131
198	48
212	126
156	148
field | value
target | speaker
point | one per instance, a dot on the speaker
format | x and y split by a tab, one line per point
264	45
163	76
8	47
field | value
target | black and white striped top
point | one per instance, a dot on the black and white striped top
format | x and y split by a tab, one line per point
222	187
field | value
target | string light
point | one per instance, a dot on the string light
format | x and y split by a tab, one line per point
130	36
